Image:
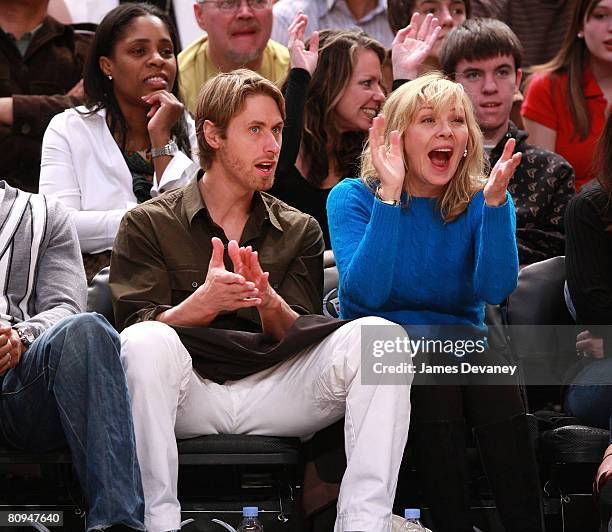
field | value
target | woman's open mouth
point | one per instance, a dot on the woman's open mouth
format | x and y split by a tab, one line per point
440	158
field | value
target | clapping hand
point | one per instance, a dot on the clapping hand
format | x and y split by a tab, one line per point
224	290
413	44
246	263
300	57
388	162
497	184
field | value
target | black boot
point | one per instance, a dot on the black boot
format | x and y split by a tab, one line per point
509	461
441	460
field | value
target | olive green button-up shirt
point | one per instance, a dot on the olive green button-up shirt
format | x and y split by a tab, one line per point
163	248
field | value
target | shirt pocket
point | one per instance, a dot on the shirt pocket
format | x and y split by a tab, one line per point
276	278
183	283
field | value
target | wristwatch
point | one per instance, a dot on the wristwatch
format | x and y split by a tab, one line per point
26	335
169	149
393	203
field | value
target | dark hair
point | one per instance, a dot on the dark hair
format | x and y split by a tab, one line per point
337	56
222	98
399	12
603	161
99	91
477	39
571	59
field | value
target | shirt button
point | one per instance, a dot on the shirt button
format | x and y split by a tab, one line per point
194	284
26	128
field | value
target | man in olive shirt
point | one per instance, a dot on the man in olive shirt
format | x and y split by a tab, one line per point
172	280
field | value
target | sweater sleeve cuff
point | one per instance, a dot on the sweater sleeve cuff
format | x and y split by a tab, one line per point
502	214
385	217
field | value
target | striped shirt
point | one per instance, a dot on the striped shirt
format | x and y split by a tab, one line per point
41	270
540	25
331	14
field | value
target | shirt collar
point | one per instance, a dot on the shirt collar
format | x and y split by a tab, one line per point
25	40
591	87
261	211
381	7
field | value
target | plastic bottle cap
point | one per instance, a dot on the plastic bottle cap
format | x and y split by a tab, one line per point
412	513
250	511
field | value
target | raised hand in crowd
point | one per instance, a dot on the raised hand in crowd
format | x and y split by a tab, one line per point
497	184
413	44
11	348
299	55
387	161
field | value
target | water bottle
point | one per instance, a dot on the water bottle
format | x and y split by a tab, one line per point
250	522
413	523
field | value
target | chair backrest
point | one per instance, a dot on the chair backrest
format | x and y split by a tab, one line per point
542	338
99	296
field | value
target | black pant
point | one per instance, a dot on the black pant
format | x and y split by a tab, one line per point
442	411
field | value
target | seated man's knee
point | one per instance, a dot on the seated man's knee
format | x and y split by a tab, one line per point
363	332
150	346
80	341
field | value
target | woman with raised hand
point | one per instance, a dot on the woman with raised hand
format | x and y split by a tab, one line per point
131	141
332	94
568	97
423	239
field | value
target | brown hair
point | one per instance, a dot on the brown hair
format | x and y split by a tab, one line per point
571	59
603	161
223	97
478	39
337	56
400	111
399	12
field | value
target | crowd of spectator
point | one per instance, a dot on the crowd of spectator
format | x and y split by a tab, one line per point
434	146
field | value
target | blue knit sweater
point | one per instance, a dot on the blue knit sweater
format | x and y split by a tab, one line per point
409	266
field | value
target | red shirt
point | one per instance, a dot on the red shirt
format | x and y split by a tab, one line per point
546	103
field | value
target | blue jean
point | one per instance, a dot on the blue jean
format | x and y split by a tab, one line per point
70	388
589	397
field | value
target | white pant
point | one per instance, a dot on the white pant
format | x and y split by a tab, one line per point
294	398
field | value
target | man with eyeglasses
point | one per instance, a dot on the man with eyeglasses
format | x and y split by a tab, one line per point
369	16
238	36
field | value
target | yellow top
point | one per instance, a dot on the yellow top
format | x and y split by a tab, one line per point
196	68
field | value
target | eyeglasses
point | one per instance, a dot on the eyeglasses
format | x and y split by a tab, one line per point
234	5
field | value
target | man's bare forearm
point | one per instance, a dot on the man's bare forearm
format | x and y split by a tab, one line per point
184	316
277	317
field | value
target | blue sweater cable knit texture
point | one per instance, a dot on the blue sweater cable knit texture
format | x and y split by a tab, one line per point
407	265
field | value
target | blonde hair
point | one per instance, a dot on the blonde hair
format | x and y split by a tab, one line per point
223	97
400	111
